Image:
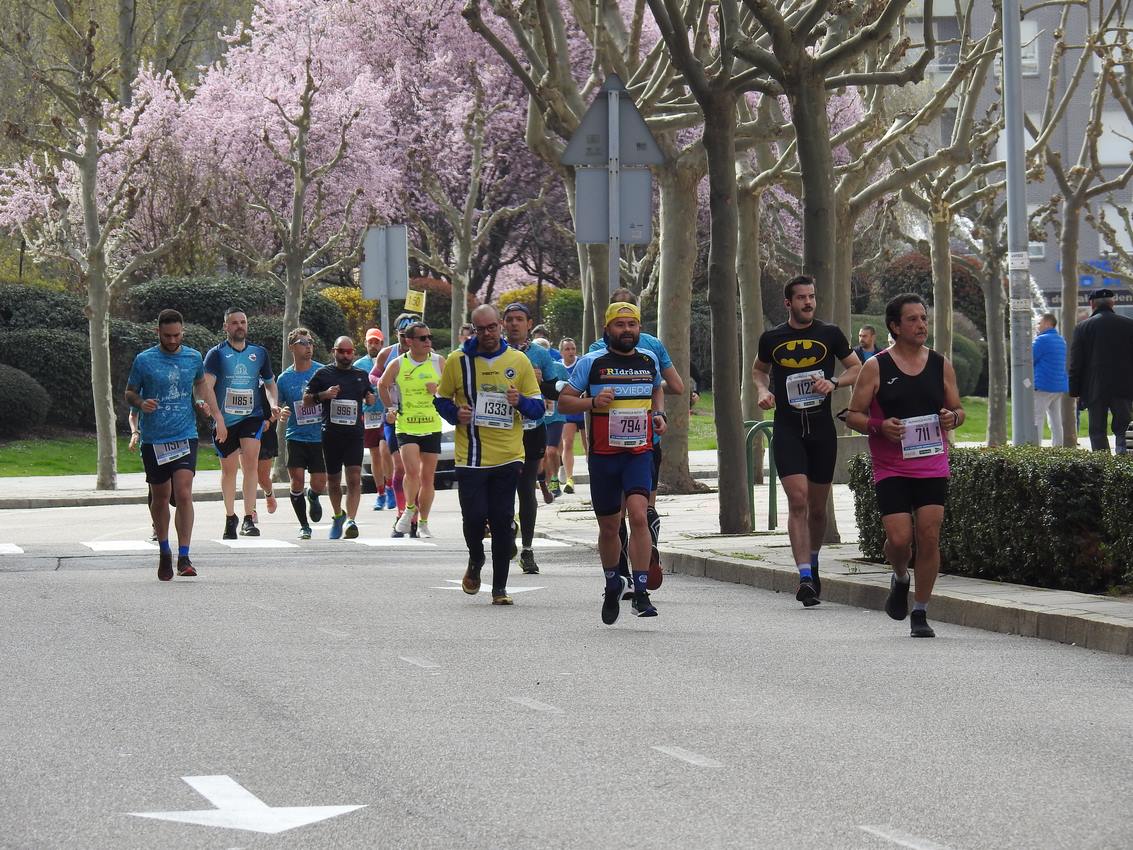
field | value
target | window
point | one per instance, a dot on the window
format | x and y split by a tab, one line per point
1035	250
1116	140
1029	39
946	29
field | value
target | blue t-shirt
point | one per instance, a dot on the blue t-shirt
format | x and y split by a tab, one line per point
556	372
366	364
540	357
648	342
291	386
169	378
238	375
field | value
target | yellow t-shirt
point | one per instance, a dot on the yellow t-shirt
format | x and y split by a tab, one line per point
495	435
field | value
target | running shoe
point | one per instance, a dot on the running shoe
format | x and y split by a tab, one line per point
391	500
305	533
556	491
623	571
470	584
548	496
350	530
313	506
423	530
656	576
229	528
404	522
502	599
380	501
918	625
514	538
806	593
165	566
897	603
271	502
610	603
248	527
569	487
641	605
817	581
153	537
185	567
336	526
527	562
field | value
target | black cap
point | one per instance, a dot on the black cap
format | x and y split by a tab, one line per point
515	305
1102	293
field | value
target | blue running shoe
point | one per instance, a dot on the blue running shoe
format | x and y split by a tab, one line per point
380	501
336	526
391	500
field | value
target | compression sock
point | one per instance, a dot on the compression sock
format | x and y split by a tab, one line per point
804	572
814	560
613	581
654	523
920	606
182	551
902	579
299	505
164	546
623	557
399	491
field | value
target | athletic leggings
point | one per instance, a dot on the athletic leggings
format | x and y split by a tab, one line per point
488	495
534	447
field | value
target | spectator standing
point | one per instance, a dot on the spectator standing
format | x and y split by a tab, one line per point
867	343
1101	370
1051	381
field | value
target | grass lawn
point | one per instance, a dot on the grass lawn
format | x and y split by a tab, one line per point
974	429
74	454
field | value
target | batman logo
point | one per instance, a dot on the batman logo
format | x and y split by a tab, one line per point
799	353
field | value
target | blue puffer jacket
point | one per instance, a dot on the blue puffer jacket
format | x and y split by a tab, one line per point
1049	352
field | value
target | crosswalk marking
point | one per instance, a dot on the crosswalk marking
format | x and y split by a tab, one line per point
10	549
120	545
392	542
547	543
257	543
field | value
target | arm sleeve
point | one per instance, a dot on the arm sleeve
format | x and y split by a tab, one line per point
663	357
213	363
530	401
316	384
448	384
580	377
764	353
657	373
266	371
200	373
135	379
446	407
842	348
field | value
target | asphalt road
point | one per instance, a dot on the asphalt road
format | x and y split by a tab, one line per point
340	674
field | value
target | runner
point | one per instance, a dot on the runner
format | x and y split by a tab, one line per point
904	399
416	374
304	431
572	423
799	356
373	415
517	326
553	422
233	371
626	405
161	385
487	389
342	390
397	491
269	450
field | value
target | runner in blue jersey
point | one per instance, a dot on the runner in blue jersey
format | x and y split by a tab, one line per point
304	431
161	385
572	422
553	422
233	371
374	439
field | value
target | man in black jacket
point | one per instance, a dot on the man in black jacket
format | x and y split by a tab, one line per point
1101	369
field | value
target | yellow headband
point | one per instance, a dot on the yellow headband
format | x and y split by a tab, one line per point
622	310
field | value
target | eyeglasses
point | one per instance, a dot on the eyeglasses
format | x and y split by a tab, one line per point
302	341
345	350
487	329
424	338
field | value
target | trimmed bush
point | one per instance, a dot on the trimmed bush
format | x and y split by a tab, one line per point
59	361
1053	518
968	355
23	307
23	402
268	332
360	313
912	272
563	314
528	295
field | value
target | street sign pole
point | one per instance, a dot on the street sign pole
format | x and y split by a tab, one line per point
613	176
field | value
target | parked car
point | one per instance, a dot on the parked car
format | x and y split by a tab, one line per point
446	466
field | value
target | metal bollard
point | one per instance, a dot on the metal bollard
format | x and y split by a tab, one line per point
753	430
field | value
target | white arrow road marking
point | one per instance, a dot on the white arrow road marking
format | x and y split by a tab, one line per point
121	546
10	549
392	541
535	705
238	808
903	839
418	661
257	543
688	756
454	584
547	543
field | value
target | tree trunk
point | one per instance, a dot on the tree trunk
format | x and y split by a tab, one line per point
749	273
598	260
127	52
816	160
720	147
839	293
674	310
98	317
941	251
292	309
462	263
996	352
1069	240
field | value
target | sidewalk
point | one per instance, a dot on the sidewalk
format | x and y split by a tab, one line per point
691	545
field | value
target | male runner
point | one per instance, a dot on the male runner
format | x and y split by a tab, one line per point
626	405
161	385
572	423
374	418
233	371
487	390
517	326
554	422
416	375
304	431
269	449
342	390
799	357
904	399
386	356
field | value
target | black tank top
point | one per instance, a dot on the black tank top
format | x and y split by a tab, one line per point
905	396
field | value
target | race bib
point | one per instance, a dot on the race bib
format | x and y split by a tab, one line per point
923	437
629	427
343	411
168	452
308	414
373	419
801	393
493	411
239	402
531	424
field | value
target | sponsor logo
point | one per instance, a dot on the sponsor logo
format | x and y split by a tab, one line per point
509	373
799	353
252	357
891	381
612	372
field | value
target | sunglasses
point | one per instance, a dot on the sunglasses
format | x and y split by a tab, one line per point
345	350
487	329
423	338
302	341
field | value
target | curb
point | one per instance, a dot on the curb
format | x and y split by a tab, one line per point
92	501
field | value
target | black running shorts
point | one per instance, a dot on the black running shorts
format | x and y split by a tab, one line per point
308	456
900	495
160	473
341	448
813	453
251	427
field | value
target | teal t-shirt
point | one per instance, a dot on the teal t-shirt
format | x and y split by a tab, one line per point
366	364
291	385
555	372
169	378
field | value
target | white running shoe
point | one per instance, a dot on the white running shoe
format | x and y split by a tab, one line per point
423	529
404	522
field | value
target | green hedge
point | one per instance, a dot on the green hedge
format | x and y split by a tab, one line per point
23	403
968	355
59	360
23	307
1054	518
268	332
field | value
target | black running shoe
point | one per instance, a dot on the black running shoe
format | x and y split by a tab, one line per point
248	528
642	607
918	625
229	528
314	508
611	604
514	539
806	593
470	584
817	581
165	566
527	562
628	579
185	567
897	603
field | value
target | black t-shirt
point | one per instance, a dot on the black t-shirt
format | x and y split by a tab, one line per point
353	385
804	352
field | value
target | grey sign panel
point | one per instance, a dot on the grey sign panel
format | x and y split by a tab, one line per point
385	262
397	261
590	143
592	205
374	264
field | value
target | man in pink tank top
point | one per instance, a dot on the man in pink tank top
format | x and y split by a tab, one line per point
905	398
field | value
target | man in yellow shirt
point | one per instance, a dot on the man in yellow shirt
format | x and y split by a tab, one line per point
487	389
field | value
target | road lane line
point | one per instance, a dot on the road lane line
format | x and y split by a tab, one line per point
903	839
10	549
120	545
688	756
257	543
395	542
423	663
535	705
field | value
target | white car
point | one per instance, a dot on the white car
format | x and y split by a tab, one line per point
446	465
